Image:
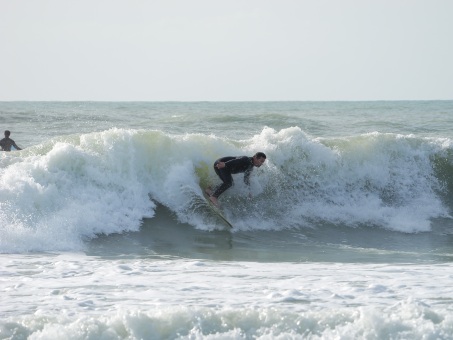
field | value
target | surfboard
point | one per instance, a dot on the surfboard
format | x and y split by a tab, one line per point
216	210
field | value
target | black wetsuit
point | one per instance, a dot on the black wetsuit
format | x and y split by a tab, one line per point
6	144
233	165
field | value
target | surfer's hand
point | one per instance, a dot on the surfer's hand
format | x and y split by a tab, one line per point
220	165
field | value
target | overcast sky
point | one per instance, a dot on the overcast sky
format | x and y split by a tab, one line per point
237	50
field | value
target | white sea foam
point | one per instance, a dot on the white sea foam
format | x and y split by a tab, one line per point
373	179
77	297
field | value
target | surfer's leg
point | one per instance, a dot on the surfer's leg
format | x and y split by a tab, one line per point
220	189
227	180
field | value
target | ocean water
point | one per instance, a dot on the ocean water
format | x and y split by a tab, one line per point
104	232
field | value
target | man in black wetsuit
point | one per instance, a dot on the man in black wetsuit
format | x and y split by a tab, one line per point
6	143
226	166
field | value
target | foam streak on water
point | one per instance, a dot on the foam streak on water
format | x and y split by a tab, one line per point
73	297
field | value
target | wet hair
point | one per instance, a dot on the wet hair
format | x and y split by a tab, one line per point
7	133
260	155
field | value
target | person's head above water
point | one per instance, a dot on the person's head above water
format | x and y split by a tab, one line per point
7	133
258	159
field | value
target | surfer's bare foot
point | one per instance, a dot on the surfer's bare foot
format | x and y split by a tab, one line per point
214	201
208	191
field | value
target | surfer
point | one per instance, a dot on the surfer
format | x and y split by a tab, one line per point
6	143
226	166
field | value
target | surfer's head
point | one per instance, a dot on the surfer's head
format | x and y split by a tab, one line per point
7	133
258	159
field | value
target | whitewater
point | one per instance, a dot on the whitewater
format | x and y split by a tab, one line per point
105	234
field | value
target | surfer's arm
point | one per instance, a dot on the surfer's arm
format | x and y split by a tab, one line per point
247	177
232	163
15	145
247	181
